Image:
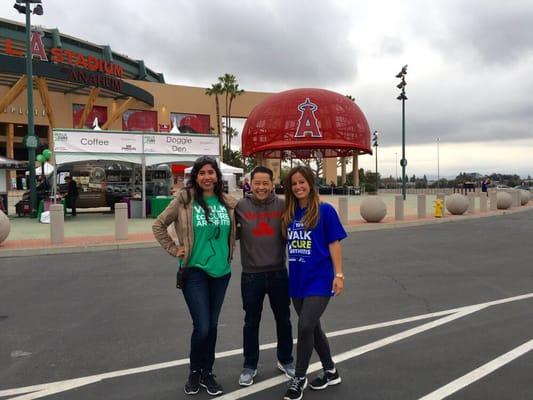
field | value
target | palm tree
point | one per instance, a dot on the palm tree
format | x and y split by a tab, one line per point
216	90
235	91
227	81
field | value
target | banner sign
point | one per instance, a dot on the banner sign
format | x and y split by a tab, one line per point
130	143
181	144
97	142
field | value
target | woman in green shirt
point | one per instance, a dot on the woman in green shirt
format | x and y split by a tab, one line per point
203	217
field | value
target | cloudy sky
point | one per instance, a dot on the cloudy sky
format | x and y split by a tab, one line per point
470	75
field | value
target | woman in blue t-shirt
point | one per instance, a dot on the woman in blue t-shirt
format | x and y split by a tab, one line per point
313	232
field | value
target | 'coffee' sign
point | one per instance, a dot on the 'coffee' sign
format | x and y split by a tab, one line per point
97	142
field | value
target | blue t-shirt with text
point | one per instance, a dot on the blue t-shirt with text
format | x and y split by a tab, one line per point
311	269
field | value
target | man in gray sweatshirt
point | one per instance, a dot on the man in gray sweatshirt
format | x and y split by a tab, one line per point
263	272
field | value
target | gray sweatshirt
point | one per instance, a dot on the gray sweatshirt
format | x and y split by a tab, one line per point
262	245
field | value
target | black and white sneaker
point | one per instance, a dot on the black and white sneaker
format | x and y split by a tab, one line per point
207	380
192	386
296	388
325	379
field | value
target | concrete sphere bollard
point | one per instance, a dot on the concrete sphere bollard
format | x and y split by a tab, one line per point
525	196
457	204
503	200
373	209
5	227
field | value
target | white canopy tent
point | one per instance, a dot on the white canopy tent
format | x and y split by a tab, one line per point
228	173
48	169
224	168
145	149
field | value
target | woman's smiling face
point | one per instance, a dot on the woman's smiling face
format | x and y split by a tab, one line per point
300	187
207	179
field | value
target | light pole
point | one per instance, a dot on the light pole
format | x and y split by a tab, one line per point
438	163
403	97
375	144
30	140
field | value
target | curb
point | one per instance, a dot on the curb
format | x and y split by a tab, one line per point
43	251
362	227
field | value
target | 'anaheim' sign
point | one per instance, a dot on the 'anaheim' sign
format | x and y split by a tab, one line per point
62	56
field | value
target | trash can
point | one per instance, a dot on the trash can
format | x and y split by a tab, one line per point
159	203
135	208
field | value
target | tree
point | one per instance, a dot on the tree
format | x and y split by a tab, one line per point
318	162
233	157
216	90
235	91
230	88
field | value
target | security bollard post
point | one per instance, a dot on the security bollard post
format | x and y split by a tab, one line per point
57	224
398	207
121	221
343	209
493	201
421	205
483	202
471	202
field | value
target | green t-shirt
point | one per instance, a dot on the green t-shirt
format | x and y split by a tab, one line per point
210	250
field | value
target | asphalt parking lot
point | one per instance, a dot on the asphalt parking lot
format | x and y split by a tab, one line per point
429	312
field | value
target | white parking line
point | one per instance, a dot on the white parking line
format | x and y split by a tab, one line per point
479	373
60	386
46	389
354	352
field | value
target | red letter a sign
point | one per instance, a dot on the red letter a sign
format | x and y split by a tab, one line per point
307	125
37	47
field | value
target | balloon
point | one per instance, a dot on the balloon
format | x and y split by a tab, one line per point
41	158
47	154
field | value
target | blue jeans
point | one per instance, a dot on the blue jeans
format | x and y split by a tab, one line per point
204	296
254	287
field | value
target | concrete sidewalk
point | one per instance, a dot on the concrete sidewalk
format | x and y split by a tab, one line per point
90	231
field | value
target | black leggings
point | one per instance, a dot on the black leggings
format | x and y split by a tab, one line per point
310	334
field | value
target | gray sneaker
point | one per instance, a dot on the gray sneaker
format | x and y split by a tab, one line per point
247	376
287	369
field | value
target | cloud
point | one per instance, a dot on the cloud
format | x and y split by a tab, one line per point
469	61
486	31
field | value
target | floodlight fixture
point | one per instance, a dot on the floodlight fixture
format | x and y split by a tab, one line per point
20	9
38	10
402	97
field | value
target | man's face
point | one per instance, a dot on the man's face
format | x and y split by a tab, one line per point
262	186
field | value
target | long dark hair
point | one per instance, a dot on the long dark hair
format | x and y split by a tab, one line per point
197	191
312	212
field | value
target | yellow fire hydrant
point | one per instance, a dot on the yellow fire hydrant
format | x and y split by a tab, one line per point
439	205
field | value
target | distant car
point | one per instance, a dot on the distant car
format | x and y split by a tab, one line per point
325	189
523	187
502	187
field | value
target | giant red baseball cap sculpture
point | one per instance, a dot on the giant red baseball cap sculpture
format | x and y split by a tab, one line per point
306	122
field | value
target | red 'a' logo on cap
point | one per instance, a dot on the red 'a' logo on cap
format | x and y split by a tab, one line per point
308	124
